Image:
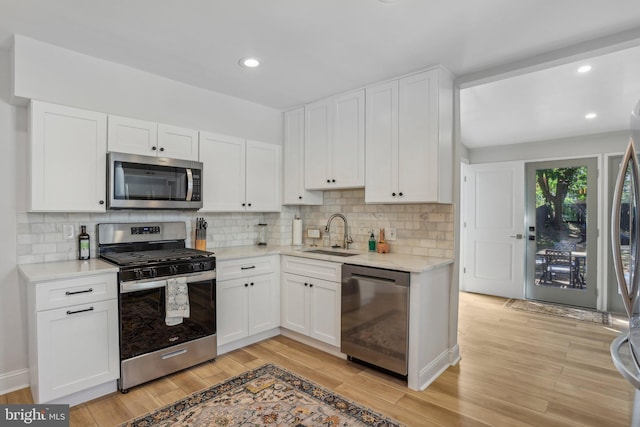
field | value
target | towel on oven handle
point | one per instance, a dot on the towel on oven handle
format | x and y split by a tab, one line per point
176	301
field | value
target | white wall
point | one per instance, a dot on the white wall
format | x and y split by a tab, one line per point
13	343
50	73
57	75
579	146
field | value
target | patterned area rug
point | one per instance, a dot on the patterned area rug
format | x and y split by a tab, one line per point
574	313
268	395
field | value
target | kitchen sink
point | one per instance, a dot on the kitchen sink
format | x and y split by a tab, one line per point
328	252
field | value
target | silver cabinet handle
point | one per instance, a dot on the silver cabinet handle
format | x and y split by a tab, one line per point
517	236
69	312
79	292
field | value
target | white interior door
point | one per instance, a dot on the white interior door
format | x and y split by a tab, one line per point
493	229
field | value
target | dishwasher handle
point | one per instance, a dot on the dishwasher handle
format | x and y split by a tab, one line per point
398	278
391	282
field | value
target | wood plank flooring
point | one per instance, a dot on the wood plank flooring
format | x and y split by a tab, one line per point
517	369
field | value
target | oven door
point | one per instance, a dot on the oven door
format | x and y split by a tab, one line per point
142	315
146	182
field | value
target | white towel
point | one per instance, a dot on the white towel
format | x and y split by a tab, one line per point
176	301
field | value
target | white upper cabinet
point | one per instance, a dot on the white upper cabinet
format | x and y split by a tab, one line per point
409	139
263	171
177	142
127	135
132	136
334	142
239	175
67	159
293	169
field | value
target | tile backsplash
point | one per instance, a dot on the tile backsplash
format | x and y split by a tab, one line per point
422	229
41	235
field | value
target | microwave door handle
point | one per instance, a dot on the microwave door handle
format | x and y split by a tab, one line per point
189	184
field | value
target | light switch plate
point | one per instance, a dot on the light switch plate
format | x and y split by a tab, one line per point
391	234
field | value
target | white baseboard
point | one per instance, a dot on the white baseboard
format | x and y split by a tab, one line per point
88	394
433	370
12	381
312	342
226	348
454	355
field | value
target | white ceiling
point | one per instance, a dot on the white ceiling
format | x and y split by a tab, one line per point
315	48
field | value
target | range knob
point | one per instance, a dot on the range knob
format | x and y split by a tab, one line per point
138	274
173	269
203	266
152	272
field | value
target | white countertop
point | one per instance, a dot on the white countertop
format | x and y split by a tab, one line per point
392	261
65	269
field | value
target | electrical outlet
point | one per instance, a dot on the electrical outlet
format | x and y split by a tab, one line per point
67	231
391	234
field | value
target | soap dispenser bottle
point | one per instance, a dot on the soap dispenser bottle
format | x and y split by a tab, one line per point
372	242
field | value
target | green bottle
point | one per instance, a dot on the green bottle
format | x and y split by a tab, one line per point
372	243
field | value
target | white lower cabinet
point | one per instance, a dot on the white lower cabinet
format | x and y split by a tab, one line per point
73	335
247	292
310	304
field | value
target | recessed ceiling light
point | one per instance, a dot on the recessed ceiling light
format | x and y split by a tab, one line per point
590	116
249	62
584	69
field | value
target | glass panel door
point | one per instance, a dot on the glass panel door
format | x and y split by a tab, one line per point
562	231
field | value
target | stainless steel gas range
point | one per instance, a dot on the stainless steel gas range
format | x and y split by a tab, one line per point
152	258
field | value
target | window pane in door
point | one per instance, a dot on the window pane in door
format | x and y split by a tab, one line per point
561	224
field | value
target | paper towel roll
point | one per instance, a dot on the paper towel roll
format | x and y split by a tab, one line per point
297	232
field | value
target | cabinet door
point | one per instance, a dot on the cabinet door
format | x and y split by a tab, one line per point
177	142
295	303
324	310
263	303
224	172
263	177
382	144
293	169
77	348
317	139
418	138
232	308
132	136
347	142
67	155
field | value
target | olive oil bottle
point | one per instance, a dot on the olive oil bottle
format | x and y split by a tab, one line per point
84	243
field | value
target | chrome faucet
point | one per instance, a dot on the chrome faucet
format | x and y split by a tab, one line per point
347	237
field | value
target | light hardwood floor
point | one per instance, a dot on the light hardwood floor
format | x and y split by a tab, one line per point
517	369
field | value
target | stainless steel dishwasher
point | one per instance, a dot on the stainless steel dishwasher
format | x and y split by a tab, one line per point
375	317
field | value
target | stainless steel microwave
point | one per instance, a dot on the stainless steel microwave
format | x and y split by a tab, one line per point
144	182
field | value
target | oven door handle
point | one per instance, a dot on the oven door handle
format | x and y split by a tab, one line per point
141	285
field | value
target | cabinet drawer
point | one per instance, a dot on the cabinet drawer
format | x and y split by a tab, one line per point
66	292
245	267
325	270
